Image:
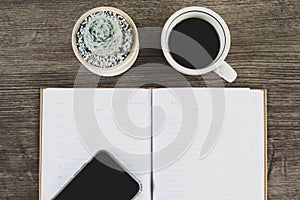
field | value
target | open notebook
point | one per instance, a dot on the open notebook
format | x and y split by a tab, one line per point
180	143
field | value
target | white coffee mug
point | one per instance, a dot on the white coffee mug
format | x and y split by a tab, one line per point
218	65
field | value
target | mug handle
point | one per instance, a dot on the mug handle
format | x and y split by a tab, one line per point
226	72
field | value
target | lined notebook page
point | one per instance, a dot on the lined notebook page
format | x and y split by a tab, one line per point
233	169
70	133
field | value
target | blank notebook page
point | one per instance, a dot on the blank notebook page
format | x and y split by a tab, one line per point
234	167
226	164
71	125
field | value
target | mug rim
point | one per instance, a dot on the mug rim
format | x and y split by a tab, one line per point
220	57
120	67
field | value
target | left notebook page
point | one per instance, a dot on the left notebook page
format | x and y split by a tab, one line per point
76	123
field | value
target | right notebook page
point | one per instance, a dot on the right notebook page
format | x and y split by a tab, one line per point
212	149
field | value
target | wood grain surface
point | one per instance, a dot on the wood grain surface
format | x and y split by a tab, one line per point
35	51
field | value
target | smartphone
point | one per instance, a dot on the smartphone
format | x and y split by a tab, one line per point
103	177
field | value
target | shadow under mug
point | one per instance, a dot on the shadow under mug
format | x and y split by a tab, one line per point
218	65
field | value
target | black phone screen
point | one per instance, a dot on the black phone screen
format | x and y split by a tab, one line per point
101	178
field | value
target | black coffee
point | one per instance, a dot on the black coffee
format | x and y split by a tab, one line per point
194	43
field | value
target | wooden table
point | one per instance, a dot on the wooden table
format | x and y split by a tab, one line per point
35	51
